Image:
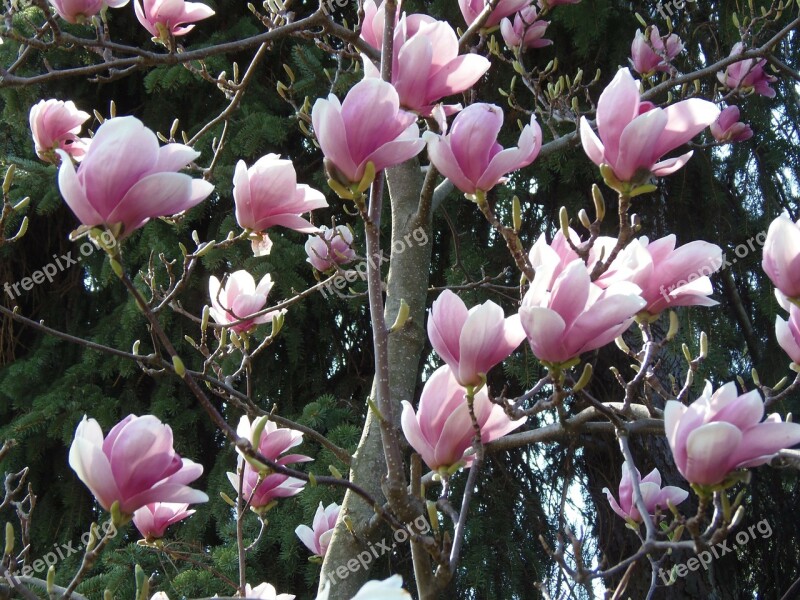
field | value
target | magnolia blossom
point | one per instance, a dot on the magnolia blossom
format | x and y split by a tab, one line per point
80	11
634	135
527	31
261	491
781	258
747	75
265	591
788	333
728	128
722	431
650	52
159	596
471	9
668	277
652	493
238	299
55	125
441	429
153	519
134	464
388	589
472	341
469	154
268	194
125	179
317	537
367	127
163	18
426	65
330	248
567	315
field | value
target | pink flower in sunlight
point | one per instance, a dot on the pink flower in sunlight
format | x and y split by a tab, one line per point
153	519
163	18
526	31
668	276
469	154
634	135
265	591
567	315
126	179
651	53
653	494
239	299
472	341
55	125
781	255
471	9
367	127
747	76
80	11
426	65
337	251
728	128
267	194
722	431
317	537
134	464
441	428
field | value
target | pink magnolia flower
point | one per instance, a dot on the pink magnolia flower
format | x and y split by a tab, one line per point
367	127
441	429
55	125
471	9
337	251
652	493
634	135
668	277
126	179
788	333
722	431
317	537
527	30
262	491
747	75
387	589
426	65
80	11
134	465
268	194
163	18
472	341
568	315
650	52
728	128
153	519
781	257
469	154
239	299
265	591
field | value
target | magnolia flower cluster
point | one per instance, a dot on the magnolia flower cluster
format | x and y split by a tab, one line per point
259	489
781	263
